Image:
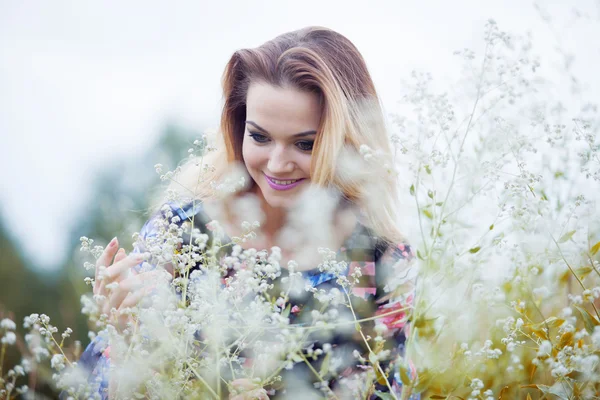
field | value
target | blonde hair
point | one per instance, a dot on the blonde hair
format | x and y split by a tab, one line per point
321	61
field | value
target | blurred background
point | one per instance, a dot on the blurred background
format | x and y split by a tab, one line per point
93	94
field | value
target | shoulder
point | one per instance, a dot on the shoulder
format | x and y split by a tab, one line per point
173	212
165	221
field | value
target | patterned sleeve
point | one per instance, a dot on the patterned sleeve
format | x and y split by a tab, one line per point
95	359
170	215
396	274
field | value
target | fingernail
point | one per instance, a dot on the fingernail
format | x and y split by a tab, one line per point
113	242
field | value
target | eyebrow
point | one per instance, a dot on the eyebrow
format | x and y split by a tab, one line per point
301	134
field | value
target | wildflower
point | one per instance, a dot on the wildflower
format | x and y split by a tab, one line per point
519	323
67	333
575	299
31	320
476	385
560	371
23	389
26	364
9	338
596	337
57	362
541	292
545	348
40	353
8	324
588	295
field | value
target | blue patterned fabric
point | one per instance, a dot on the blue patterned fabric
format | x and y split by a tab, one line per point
96	360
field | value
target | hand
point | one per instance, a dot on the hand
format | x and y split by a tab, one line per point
129	290
247	390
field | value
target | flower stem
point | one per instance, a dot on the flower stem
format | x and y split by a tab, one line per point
215	395
2	358
377	365
314	371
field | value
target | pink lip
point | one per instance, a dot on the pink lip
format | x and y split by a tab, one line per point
282	187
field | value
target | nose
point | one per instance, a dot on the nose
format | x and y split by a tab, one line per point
279	161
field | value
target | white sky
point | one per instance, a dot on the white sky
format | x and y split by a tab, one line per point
83	83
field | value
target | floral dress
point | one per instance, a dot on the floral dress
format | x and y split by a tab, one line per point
382	268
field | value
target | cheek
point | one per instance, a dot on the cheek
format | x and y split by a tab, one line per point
252	155
304	165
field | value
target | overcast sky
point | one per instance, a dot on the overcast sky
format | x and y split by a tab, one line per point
84	83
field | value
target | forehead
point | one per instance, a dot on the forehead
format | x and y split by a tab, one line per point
282	110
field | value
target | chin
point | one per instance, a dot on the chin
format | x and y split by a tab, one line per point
279	202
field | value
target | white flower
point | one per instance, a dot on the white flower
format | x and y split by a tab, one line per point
596	337
8	324
26	365
9	338
545	348
23	389
476	385
519	323
31	320
560	371
67	333
57	362
575	299
541	292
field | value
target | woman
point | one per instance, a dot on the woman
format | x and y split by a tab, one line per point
296	110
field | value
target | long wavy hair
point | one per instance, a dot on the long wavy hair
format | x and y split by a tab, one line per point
321	61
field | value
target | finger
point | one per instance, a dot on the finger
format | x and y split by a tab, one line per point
121	254
131	300
104	259
123	289
243	384
115	273
118	268
136	284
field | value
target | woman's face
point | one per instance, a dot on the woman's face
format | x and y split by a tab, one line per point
281	127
